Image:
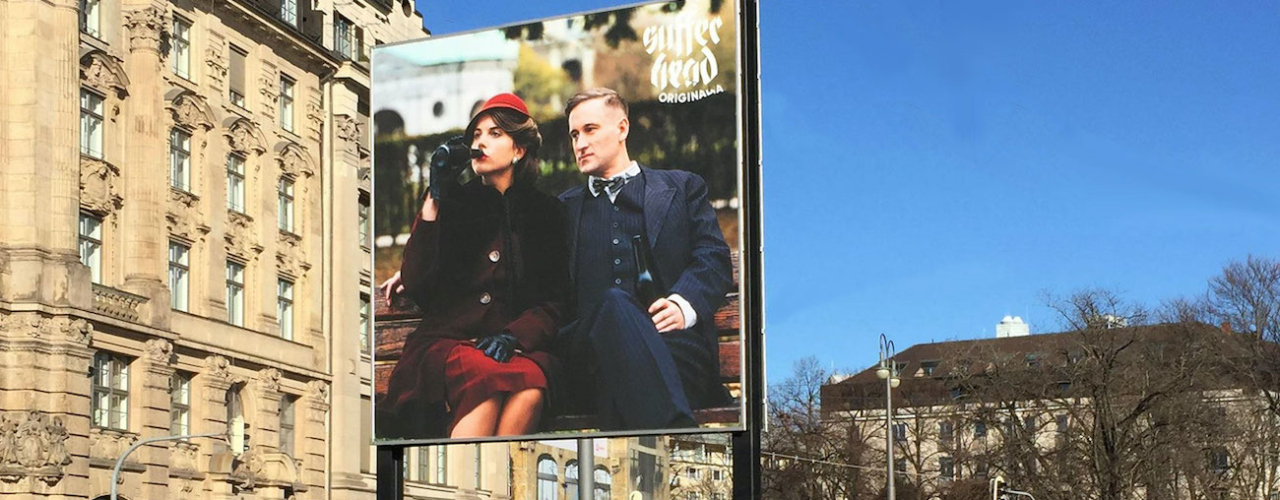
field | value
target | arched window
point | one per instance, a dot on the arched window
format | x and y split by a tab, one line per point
235	419
603	480
571	480
546	478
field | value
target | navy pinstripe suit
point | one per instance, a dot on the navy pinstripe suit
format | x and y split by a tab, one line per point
636	377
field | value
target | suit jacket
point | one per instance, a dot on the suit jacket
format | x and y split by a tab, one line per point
684	236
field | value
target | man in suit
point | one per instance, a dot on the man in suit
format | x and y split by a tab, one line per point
643	365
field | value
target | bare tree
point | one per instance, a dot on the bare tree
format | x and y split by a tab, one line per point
806	455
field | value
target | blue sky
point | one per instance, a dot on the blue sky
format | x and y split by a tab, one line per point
930	168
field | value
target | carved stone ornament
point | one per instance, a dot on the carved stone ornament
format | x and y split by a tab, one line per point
239	237
33	325
218	367
289	255
244	136
318	390
101	71
183	217
109	444
315	117
99	191
33	445
183	456
269	86
191	111
269	379
216	59
146	25
348	129
159	351
295	161
248	468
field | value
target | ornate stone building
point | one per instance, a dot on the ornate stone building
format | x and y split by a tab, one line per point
184	192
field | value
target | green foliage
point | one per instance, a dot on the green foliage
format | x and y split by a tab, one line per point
542	86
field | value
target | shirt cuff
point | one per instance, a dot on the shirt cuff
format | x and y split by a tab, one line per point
690	316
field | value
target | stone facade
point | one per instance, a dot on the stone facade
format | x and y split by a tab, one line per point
101	345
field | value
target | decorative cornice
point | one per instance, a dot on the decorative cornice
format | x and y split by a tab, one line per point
146	26
99	192
33	325
103	72
191	110
244	136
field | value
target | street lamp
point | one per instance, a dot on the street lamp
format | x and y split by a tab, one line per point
888	371
115	472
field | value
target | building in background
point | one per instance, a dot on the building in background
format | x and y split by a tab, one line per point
184	241
624	469
701	467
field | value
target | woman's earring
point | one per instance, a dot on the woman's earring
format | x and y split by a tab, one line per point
515	160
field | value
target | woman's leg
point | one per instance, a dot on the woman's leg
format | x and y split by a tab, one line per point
481	420
520	415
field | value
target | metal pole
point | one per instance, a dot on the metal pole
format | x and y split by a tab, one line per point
1018	493
115	472
586	469
888	418
390	472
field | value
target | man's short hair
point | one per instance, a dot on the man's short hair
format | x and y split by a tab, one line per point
610	96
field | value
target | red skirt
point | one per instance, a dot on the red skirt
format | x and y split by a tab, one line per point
471	378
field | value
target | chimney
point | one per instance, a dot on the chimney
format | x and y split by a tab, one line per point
1012	326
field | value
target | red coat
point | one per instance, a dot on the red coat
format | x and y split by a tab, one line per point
491	262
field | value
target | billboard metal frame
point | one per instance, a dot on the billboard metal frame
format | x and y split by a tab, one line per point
745	442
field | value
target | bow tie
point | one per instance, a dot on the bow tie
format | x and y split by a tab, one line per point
613	185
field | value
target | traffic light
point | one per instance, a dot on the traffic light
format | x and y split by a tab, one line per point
997	484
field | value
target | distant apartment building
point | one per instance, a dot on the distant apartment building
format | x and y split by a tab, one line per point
184	245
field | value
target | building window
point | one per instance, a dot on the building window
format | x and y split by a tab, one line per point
90	17
237	80
900	464
571	480
1029	423
442	461
546	478
365	313
91	245
284	202
364	221
947	468
693	473
180	159
235	182
235	293
289	12
928	367
179	404
981	470
603	483
180	40
979	429
286	424
179	269
286	103
90	124
236	424
342	31
284	307
110	392
946	432
717	475
424	469
900	432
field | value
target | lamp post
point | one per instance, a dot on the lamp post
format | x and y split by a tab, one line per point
115	472
888	371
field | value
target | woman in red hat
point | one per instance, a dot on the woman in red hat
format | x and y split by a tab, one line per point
488	266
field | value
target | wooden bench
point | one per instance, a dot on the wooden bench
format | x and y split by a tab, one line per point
395	321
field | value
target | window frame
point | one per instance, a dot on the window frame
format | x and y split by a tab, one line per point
115	392
179	404
179	276
180	52
285	306
366	316
285	101
285	201
237	183
288	422
91	18
180	171
235	293
547	479
238	98
95	114
289	15
91	239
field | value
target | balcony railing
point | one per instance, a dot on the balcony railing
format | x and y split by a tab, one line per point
118	304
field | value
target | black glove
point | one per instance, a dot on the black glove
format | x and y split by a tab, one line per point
447	162
500	347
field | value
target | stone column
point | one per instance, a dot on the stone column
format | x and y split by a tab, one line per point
44	406
266	426
151	402
147	177
209	414
39	133
312	437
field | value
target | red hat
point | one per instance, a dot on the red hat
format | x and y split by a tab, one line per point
505	100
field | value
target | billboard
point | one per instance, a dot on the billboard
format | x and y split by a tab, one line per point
558	211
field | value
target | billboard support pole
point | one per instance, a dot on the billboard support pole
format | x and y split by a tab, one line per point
390	472
746	444
586	468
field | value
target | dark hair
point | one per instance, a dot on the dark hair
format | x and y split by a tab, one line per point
524	133
610	96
